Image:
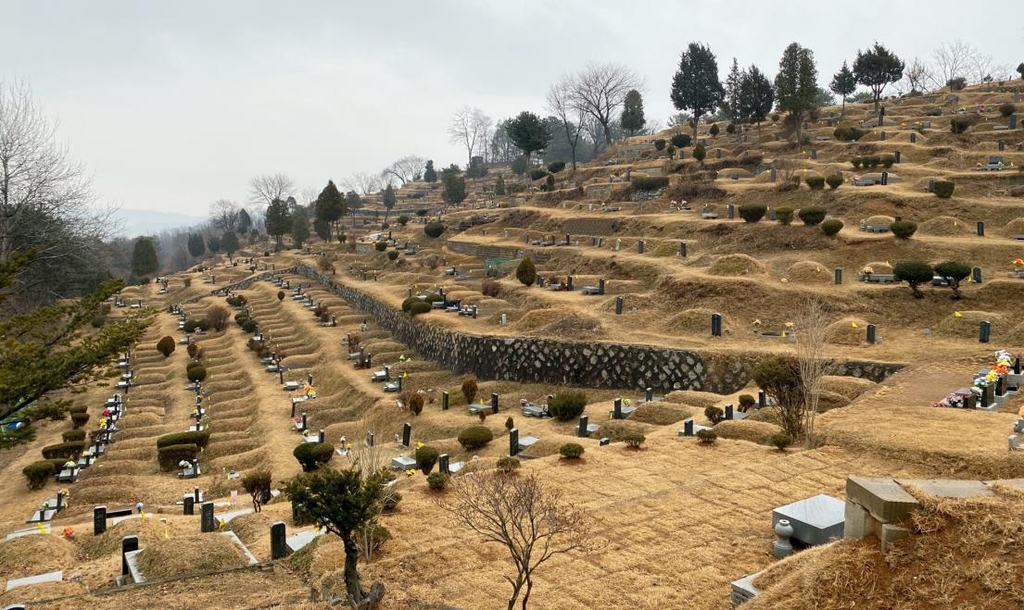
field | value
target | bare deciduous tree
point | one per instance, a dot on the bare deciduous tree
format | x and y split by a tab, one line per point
372	462
406	168
952	60
564	105
532	522
45	203
469	128
811	326
916	77
601	88
364	183
264	189
224	214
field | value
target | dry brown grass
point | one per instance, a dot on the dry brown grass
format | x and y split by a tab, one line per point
736	264
747	430
29	555
946	226
847	331
188	554
809	272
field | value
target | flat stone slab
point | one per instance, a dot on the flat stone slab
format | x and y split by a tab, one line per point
815	520
883	498
227	517
743	590
1018	483
245	551
131	558
297	542
38	579
29	532
403	462
948	488
525	443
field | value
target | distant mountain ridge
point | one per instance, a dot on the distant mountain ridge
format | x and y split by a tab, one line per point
148	222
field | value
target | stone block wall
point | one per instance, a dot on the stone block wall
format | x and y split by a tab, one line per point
599	365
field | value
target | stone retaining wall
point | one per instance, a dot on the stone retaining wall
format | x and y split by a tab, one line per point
529	359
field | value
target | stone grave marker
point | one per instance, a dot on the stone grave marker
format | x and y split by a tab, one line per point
913	137
618	305
494	402
716	325
442	464
444	401
99	520
206	521
278	540
815	520
188	505
871	334
581	431
984	334
682	249
838	275
406	434
1013	121
513	442
128	544
1001	145
976	275
981	228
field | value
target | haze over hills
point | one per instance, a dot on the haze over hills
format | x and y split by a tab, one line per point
137	222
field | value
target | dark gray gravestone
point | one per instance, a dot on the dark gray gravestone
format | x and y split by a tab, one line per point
513	441
885	178
303	421
716	325
814	153
640	247
1002	145
206	521
1001	385
771	214
649	394
128	544
976	275
278	540
913	138
406	434
682	249
718	153
897	156
988	396
871	334
618	306
197	494
442	464
838	275
494	402
931	185
444	401
570	284
731	211
99	520
600	286
320	436
881	135
582	430
617	409
981	228
688	426
984	332
728	411
762	399
188	506
773	175
1013	121
369	439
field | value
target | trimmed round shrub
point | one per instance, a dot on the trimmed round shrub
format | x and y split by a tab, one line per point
165	346
434	228
419	307
816	183
752	212
64	451
699	152
633	439
407	304
380	246
437	481
887	161
856	162
659	144
469	390
781	440
508	464
241	317
714	131
475	437
834	181
832	226
746	401
192	350
79	419
192	326
393	255
169	457
903	229
706	437
38	473
526	272
567	406
730	128
311	455
426	457
416	403
1006	109
538	173
848	134
571	451
714	414
72	435
402	220
199	438
681	140
249	325
556	166
784	215
812	215
195	372
280	295
943	189
77	409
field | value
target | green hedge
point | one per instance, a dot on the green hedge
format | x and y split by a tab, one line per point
426	457
199	439
70	436
571	451
832	226
812	215
38	473
419	307
567	406
943	188
752	212
784	215
311	455
66	451
475	437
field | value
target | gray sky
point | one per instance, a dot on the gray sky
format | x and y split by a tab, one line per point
173	105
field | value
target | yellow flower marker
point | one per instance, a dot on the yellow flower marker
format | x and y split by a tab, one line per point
853	325
957	314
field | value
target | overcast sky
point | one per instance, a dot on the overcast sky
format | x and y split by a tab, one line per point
173	105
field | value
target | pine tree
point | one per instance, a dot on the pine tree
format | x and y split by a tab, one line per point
796	84
695	85
330	206
144	260
429	174
731	105
843	84
876	68
755	96
632	119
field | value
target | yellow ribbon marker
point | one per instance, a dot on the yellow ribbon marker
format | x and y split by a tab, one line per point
41	527
957	314
853	325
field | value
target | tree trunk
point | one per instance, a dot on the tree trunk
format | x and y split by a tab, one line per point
526	595
842	113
